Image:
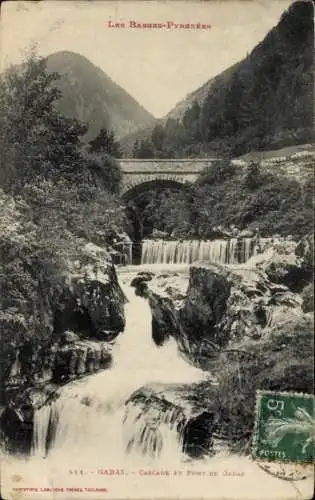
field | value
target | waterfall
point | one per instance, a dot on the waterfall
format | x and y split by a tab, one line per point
40	430
230	251
156	432
90	414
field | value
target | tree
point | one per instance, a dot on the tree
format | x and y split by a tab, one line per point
146	149
36	140
104	170
157	137
191	122
105	143
135	149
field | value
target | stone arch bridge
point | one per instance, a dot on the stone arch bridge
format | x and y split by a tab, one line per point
139	175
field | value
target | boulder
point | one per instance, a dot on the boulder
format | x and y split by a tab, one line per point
91	303
156	406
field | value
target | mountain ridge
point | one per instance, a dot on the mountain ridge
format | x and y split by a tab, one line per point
92	96
263	101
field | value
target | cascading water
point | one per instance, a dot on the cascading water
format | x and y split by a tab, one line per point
229	251
103	445
86	422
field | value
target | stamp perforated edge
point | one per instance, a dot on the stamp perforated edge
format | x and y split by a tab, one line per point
259	394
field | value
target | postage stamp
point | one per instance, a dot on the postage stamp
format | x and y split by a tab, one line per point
284	427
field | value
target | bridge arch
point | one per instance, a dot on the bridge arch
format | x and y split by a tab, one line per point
133	191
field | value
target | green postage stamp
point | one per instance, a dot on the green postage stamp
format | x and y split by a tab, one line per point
284	428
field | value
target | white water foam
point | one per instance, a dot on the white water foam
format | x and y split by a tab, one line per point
230	251
91	410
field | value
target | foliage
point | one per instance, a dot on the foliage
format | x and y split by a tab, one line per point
168	211
37	141
282	360
253	176
225	196
58	196
106	143
217	172
88	212
103	169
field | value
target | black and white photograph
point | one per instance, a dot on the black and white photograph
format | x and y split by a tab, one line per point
156	249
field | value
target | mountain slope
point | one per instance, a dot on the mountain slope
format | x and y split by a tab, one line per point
93	97
268	99
177	113
264	101
200	95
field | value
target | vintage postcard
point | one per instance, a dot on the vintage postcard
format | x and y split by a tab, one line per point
156	249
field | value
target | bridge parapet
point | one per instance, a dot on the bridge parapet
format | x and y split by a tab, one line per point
178	166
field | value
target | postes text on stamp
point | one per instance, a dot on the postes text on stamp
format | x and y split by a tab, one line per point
284	427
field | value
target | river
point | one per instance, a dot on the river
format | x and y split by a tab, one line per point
93	427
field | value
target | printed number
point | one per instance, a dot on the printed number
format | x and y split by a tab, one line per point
275	405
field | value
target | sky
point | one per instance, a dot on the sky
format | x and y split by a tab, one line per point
158	67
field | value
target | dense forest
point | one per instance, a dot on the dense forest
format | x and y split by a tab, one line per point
263	102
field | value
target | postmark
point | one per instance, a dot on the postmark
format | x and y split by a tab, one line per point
284	427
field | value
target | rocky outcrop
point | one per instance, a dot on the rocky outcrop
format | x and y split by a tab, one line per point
69	359
288	263
156	412
248	325
221	306
58	327
91	303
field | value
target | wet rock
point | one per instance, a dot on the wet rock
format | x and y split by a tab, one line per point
198	435
221	306
17	418
81	359
205	304
103	302
164	321
308	298
290	275
156	406
16	431
106	358
139	281
141	277
91	300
